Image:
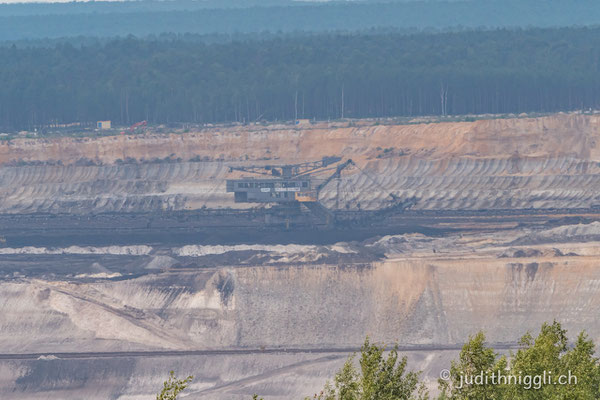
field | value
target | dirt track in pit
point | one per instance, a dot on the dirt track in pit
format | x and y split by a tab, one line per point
146	354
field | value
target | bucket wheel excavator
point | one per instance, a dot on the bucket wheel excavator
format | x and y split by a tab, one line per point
294	184
289	183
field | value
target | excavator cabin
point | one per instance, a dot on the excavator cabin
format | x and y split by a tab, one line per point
257	190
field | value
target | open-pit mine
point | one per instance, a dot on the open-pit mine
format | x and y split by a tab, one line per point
257	257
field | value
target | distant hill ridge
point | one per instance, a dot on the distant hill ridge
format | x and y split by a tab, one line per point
22	21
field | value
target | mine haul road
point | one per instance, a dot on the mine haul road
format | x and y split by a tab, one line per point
234	351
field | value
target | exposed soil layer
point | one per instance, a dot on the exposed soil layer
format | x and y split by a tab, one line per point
541	163
421	291
151	254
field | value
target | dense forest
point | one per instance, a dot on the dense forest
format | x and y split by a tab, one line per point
321	76
142	18
131	6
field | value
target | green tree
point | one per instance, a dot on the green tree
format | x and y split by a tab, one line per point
535	373
581	362
536	357
377	378
173	386
548	356
475	360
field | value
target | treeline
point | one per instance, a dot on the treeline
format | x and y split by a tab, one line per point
130	6
142	18
544	367
321	76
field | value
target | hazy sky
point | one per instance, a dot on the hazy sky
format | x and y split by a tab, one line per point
41	1
80	1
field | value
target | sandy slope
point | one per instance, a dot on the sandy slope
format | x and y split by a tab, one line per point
560	135
417	289
549	162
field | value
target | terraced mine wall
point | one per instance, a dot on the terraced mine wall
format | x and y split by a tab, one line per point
297	313
512	206
549	162
421	302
